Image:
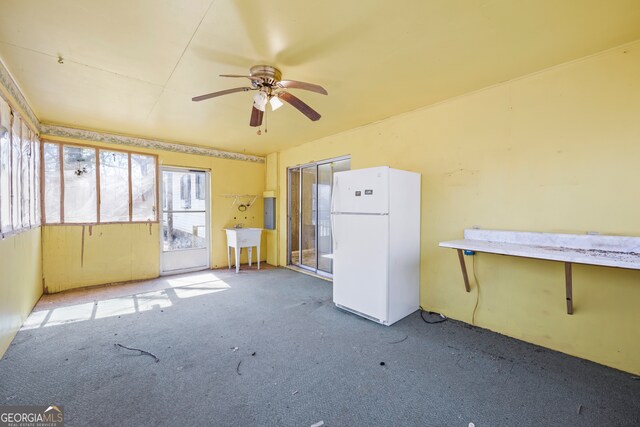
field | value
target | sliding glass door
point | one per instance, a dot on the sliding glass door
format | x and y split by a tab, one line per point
310	242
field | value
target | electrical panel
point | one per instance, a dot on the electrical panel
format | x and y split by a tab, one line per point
270	213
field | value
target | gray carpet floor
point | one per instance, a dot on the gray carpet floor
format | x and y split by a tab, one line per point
271	349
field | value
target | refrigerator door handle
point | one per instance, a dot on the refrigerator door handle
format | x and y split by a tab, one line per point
333	236
332	204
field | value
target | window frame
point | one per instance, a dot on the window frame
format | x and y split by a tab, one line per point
98	149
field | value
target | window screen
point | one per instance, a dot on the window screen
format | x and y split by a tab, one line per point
143	187
25	179
79	173
5	163
114	186
35	179
16	176
52	183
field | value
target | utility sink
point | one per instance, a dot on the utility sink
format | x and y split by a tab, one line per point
239	238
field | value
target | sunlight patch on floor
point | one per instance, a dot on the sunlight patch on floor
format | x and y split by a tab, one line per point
180	287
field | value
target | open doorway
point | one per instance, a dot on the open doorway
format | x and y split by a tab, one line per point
185	220
310	242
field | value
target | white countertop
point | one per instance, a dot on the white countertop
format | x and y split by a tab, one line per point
607	258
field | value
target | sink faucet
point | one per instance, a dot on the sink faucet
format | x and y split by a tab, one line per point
239	225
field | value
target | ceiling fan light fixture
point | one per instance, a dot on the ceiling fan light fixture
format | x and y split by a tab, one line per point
275	103
260	100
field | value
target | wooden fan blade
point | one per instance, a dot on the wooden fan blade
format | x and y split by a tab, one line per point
301	106
256	117
292	84
220	93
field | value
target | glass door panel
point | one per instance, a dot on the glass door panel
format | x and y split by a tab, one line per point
325	185
308	213
294	216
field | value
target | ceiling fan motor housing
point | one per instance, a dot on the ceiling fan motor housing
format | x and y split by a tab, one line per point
269	75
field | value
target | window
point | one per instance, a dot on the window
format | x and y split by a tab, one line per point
143	187
79	175
5	167
35	143
114	186
91	185
16	176
19	176
25	179
51	193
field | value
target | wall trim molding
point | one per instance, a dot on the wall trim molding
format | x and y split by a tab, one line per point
109	138
11	87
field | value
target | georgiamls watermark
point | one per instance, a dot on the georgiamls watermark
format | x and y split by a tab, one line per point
31	416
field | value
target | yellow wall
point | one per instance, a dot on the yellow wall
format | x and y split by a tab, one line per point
123	252
271	185
557	151
20	281
112	253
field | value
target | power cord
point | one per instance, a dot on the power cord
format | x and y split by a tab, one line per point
440	320
475	277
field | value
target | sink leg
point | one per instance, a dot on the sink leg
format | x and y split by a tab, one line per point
237	260
229	256
249	250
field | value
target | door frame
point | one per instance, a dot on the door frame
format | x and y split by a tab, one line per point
207	192
299	264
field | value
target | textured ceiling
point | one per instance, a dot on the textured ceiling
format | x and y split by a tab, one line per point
132	66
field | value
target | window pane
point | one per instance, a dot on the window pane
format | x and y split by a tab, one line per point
38	182
114	186
183	191
5	155
143	181
79	184
184	230
16	186
52	183
35	180
26	181
200	186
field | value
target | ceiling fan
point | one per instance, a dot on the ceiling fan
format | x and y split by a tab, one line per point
267	80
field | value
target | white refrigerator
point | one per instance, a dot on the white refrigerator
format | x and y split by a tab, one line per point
375	216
